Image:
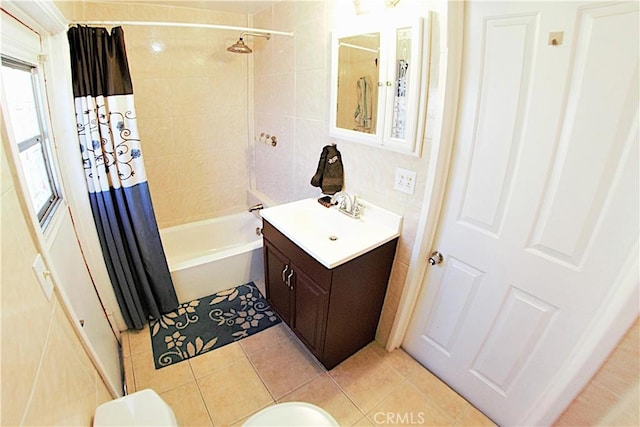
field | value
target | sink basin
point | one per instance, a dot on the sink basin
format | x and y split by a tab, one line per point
329	236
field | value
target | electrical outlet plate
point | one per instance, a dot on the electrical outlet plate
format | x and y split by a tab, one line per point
405	181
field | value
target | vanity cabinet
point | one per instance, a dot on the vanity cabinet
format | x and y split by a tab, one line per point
334	312
379	80
300	301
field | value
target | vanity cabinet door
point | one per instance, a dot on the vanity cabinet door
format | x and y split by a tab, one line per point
276	272
311	304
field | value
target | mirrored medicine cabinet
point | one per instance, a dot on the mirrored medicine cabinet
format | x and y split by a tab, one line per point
379	73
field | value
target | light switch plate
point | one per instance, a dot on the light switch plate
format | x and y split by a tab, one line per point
43	275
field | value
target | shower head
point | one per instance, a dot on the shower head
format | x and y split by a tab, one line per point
241	47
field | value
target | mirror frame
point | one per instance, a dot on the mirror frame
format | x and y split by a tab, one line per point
418	82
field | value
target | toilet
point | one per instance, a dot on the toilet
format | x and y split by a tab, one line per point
291	414
142	408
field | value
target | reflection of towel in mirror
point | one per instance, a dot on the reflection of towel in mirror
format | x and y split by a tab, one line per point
362	115
329	175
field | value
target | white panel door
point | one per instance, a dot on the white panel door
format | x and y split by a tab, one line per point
541	213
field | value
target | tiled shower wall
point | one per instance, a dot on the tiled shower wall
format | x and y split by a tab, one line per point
292	91
191	102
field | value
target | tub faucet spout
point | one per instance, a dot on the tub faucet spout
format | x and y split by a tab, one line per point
256	207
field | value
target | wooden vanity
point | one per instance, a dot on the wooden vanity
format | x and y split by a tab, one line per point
334	311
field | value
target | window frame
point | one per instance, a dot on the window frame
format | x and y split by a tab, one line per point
44	213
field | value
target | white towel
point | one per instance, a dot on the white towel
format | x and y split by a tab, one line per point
362	115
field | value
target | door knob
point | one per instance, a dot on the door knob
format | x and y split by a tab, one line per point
435	258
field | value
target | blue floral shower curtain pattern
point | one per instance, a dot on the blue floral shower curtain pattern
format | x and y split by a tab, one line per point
115	174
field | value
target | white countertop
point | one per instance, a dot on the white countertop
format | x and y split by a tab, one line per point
313	227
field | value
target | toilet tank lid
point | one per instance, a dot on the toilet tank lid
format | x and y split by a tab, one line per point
141	408
292	414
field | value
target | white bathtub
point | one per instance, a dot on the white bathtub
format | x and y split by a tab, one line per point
208	256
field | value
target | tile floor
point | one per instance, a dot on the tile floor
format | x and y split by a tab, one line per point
225	386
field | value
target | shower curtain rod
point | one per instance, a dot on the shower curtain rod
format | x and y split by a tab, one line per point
184	24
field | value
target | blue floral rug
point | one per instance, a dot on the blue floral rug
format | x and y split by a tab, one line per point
205	324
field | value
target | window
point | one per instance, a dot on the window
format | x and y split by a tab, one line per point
27	126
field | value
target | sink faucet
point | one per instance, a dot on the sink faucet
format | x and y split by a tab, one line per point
352	209
341	197
256	207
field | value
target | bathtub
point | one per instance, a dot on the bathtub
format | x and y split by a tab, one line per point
212	255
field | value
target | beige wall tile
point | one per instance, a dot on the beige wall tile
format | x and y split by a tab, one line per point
153	98
66	8
275	93
146	12
233	393
391	301
25	312
312	36
171	207
47	378
284	48
190	95
65	389
157	138
149	56
106	11
6	180
102	392
311	97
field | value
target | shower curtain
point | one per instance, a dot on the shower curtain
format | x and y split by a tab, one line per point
115	174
